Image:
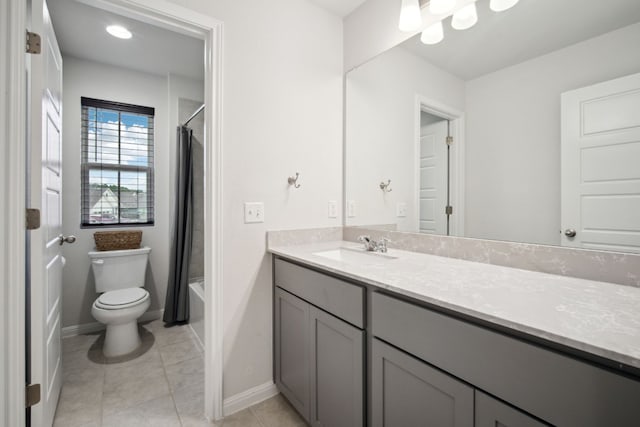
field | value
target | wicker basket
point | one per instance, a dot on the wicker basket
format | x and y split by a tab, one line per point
117	240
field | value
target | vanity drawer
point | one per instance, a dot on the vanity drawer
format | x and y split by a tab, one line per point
340	298
552	386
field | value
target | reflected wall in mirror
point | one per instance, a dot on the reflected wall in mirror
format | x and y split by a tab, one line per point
543	104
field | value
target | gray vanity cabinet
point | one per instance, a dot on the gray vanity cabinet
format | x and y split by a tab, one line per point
319	358
337	372
491	412
408	392
292	350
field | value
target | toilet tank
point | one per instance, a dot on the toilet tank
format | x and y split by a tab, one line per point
115	270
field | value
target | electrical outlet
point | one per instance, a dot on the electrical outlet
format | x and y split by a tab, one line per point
253	212
333	209
401	210
351	208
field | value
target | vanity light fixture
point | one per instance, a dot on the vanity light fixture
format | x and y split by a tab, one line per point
433	34
441	7
465	18
410	15
119	32
502	5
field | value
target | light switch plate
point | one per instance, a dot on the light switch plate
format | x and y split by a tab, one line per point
351	208
253	212
333	209
401	210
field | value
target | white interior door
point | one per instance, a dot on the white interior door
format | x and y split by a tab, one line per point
433	178
46	192
601	166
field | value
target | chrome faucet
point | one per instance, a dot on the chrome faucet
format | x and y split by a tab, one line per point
371	245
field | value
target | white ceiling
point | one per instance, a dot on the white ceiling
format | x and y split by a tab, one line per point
528	30
80	30
341	8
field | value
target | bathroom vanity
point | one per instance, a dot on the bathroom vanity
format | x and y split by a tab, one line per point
410	339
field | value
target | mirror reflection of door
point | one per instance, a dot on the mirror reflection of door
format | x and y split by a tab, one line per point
601	166
433	174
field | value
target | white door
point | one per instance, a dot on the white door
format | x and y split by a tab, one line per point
46	192
600	197
433	178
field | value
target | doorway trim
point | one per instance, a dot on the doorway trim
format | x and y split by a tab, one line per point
12	127
186	21
456	117
13	80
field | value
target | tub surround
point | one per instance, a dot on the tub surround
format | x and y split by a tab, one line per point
599	320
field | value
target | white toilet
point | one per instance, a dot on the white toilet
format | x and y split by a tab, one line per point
119	277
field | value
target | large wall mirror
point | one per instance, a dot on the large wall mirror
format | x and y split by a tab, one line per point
524	128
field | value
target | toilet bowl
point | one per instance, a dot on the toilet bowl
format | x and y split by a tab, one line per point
119	311
119	277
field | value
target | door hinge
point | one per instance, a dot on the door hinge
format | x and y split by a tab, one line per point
33	42
448	210
32	394
33	219
449	140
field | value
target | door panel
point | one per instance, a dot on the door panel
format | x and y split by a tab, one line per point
410	393
46	192
600	174
491	412
337	361
433	178
292	349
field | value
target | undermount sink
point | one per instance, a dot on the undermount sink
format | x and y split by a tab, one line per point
355	255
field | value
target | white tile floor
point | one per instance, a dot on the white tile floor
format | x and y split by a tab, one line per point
161	384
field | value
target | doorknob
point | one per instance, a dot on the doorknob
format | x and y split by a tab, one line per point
570	232
67	239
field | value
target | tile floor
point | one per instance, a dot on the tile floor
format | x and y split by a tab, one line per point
161	384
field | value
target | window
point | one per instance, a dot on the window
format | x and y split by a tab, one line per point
117	163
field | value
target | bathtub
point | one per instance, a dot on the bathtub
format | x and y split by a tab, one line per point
196	308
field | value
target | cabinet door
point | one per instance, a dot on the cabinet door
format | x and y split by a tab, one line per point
337	365
292	349
408	392
491	412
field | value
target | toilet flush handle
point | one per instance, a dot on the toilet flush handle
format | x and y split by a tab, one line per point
98	261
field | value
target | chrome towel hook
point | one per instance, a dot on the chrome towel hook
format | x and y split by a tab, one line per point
385	187
294	181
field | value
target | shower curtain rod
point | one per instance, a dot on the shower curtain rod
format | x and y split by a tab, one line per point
193	115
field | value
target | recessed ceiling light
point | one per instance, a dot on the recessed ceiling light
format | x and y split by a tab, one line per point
119	32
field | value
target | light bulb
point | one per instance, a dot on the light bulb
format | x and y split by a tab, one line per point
502	5
119	31
410	15
441	7
465	18
433	34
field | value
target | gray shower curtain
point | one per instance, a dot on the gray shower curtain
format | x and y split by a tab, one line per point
176	307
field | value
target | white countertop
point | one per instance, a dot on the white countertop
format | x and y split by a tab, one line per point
599	318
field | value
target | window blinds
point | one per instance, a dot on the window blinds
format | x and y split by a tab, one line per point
117	163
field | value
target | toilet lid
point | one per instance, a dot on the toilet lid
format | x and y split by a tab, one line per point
121	297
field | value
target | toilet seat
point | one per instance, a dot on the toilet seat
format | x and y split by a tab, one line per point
122	298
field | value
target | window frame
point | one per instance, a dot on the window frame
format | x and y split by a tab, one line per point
86	166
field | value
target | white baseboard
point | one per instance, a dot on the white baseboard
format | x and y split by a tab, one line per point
249	397
88	328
